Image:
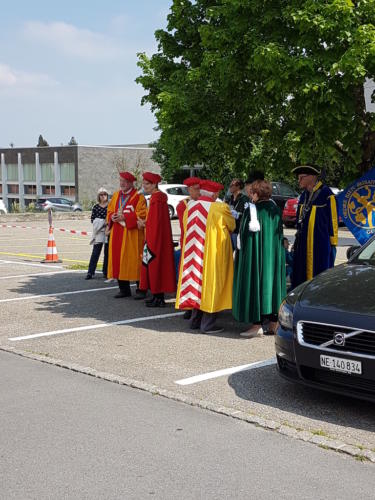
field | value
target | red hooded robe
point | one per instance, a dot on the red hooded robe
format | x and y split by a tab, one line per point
158	270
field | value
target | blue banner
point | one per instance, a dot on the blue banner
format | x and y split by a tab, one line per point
356	207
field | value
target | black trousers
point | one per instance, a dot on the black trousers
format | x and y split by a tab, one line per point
124	286
203	320
96	250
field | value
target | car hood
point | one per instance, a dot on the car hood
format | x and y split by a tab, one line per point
346	288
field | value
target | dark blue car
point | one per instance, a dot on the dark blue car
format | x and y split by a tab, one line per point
326	333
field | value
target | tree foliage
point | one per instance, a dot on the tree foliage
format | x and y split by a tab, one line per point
265	84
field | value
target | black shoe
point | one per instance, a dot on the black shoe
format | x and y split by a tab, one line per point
139	294
214	329
195	326
88	277
156	303
150	301
187	314
120	295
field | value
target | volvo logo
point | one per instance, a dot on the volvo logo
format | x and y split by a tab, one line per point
339	339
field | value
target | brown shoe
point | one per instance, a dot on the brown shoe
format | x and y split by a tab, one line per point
271	330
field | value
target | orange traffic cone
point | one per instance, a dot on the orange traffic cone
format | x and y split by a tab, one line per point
51	253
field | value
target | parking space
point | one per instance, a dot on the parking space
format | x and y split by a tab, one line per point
51	311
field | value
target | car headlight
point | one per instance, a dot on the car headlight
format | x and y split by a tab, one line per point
286	315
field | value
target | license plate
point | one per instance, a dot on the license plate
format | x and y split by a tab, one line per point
341	365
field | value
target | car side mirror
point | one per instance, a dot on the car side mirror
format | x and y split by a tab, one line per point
351	251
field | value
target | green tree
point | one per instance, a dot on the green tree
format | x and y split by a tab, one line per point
42	143
237	84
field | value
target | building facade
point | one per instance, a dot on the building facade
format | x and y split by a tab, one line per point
73	172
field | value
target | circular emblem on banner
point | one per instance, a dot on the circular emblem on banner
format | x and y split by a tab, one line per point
361	206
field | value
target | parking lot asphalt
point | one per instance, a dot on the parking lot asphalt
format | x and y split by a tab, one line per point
51	313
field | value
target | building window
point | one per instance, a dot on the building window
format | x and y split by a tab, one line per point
29	172
67	172
13	204
29	189
48	189
1	188
12	171
48	172
28	201
68	190
13	189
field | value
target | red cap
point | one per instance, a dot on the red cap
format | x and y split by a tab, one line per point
192	181
151	177
128	176
213	187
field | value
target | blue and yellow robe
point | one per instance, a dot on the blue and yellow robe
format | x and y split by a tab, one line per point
317	235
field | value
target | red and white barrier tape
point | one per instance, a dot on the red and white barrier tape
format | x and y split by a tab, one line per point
72	231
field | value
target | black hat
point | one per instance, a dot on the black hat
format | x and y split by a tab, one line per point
257	175
307	169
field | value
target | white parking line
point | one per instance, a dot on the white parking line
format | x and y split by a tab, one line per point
41	274
30	297
95	326
30	264
225	371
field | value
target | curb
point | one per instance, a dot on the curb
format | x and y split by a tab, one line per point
325	442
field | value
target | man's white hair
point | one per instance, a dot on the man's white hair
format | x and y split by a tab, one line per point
210	194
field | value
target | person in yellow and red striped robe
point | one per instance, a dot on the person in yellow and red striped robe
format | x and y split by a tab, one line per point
206	269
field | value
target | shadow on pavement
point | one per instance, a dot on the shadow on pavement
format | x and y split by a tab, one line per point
264	386
102	306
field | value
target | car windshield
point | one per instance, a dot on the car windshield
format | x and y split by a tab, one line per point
367	255
178	191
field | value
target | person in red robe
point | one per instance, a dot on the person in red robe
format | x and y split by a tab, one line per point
126	238
158	270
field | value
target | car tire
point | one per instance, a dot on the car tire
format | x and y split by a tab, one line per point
290	225
170	211
77	210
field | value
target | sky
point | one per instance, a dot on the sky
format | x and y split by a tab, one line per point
68	69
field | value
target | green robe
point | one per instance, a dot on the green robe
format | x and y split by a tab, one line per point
259	268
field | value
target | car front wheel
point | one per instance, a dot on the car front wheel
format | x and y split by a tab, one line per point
170	211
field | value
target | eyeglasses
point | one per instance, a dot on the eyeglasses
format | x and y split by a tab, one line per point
103	194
